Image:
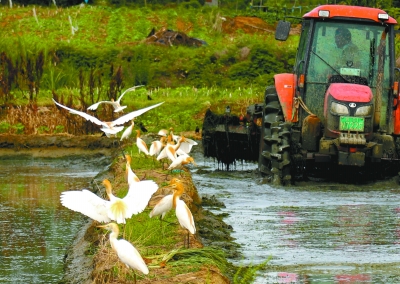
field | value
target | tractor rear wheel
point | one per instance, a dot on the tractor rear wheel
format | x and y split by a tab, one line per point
275	141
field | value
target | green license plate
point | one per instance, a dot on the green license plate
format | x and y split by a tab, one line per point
351	123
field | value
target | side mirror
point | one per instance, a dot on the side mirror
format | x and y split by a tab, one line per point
282	30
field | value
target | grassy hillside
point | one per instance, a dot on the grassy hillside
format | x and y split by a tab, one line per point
88	53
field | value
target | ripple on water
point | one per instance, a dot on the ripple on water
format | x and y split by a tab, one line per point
36	228
315	233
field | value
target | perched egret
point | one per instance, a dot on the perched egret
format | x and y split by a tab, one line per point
116	104
156	146
110	128
185	217
163	132
129	174
169	150
181	161
164	205
140	196
128	131
117	209
141	144
126	252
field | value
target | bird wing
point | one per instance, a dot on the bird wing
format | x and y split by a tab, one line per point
162	155
119	108
184	216
129	255
112	131
163	206
128	90
127	117
87	203
96	105
185	147
139	195
155	148
178	161
84	115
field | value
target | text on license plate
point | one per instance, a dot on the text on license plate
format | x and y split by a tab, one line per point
351	123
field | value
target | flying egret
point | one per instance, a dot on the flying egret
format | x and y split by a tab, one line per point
116	104
117	209
110	128
126	252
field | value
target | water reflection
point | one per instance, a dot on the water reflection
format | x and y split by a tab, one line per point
325	233
36	228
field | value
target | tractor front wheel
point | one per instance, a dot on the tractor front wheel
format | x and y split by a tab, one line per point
275	145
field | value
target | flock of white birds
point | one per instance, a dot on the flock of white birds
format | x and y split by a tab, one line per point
175	148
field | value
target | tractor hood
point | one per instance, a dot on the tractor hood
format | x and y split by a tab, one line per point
350	92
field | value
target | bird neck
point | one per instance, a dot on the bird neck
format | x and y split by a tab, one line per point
109	190
177	194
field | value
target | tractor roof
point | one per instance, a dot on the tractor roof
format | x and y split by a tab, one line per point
344	11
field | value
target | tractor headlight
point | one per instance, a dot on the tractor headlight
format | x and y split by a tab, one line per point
364	111
339	109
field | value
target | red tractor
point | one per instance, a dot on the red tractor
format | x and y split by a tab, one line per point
340	107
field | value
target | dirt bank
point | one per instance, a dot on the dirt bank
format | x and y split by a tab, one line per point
81	266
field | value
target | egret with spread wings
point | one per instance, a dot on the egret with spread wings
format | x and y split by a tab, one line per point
116	104
110	127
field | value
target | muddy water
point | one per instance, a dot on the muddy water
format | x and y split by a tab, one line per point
35	228
314	232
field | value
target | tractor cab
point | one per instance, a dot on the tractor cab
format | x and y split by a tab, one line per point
340	106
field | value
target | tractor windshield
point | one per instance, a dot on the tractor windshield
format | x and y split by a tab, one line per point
345	52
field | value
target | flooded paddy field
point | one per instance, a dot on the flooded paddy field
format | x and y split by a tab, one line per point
36	228
313	232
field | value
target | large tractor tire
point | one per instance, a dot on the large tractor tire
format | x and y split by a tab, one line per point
275	141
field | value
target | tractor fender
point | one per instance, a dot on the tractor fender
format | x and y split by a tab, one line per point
285	85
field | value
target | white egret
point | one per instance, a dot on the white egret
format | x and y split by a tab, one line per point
185	217
156	146
139	195
142	146
116	104
117	209
181	161
128	131
129	174
126	252
110	128
164	205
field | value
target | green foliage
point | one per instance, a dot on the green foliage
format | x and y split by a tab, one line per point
247	274
59	129
43	129
17	128
4	127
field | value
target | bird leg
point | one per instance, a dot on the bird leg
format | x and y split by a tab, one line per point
186	238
